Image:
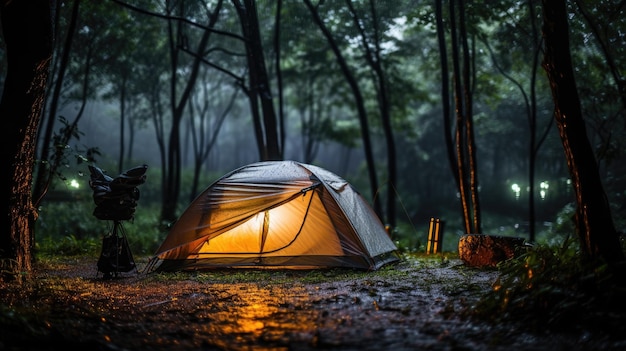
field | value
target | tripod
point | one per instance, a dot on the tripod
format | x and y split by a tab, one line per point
116	256
116	199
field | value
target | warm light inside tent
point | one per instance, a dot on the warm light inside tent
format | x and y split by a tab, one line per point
252	235
299	226
277	214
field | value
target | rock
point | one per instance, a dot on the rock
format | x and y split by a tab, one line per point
481	250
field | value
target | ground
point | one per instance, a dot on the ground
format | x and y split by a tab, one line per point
416	304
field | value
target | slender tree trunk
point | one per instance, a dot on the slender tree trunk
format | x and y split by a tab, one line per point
445	91
530	101
468	87
384	105
158	121
260	91
43	171
172	189
604	45
132	124
120	162
594	224
28	35
279	77
360	105
532	125
460	136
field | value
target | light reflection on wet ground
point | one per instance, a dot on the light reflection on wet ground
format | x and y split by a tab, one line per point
411	306
363	313
251	315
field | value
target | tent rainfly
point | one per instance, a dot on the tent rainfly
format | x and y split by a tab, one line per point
276	214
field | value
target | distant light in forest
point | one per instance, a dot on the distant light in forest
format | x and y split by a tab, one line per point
543	189
74	184
516	189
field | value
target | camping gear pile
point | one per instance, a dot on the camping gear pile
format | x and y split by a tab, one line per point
116	200
276	214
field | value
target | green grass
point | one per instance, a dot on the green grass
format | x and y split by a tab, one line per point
69	228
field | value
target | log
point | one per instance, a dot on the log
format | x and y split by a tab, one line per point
481	250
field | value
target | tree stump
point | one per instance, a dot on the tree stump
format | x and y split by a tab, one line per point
480	250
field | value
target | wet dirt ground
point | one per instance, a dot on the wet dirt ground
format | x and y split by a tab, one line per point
413	305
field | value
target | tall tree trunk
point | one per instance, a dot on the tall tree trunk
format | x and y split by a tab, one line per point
532	126
28	36
132	124
173	169
460	137
279	77
604	45
462	81
360	105
530	101
594	224
374	60
158	122
468	88
445	90
44	172
260	93
120	162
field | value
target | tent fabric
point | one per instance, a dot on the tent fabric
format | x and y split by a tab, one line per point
277	214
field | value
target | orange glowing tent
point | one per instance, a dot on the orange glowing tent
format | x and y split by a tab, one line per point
276	214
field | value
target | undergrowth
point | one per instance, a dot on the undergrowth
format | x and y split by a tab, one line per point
550	288
69	228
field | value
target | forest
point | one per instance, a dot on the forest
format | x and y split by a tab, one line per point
430	109
502	118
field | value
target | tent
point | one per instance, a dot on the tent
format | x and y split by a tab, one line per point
276	214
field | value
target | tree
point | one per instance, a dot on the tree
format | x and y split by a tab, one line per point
594	223
28	36
464	166
131	45
358	99
445	88
532	39
314	93
534	145
373	55
259	92
48	164
172	168
599	53
605	34
206	117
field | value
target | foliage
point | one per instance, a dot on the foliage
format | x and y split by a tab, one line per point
549	288
61	159
69	228
114	42
68	246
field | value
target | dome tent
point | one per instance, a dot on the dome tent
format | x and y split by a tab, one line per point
276	214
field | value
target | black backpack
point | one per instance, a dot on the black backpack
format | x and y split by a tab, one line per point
115	256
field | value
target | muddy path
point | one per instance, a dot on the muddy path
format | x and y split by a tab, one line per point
413	305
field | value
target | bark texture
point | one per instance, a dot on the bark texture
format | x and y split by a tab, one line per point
479	250
594	224
27	28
